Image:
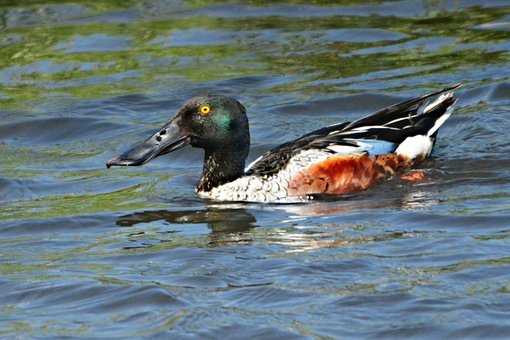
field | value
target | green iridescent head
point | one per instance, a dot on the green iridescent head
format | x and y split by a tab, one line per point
214	123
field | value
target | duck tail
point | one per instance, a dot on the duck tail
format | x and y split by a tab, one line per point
439	110
429	118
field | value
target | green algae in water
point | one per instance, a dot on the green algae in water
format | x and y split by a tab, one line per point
133	69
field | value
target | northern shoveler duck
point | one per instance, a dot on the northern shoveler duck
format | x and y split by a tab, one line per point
337	159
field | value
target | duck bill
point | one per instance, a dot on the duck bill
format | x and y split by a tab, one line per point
168	139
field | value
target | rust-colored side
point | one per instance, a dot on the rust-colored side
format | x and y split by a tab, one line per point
343	174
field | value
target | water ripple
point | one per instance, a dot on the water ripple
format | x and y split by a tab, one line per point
133	253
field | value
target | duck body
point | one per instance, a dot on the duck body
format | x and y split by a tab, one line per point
334	160
307	175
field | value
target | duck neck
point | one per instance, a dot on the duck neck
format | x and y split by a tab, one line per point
220	167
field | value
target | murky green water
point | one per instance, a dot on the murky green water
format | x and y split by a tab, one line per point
90	252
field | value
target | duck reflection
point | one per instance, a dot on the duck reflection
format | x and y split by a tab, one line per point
226	225
293	226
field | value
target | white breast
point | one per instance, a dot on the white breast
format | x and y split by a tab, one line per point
266	189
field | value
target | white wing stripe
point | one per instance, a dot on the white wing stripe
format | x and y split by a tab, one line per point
368	127
399	119
438	101
253	163
362	129
344	149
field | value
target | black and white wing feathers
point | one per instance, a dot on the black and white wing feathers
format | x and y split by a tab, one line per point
384	131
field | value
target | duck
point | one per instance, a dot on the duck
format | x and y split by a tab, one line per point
339	159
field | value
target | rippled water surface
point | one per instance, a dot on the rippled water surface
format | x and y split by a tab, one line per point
132	252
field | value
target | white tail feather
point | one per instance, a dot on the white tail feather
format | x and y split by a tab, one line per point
440	121
415	147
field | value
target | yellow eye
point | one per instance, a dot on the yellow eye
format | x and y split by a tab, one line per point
204	110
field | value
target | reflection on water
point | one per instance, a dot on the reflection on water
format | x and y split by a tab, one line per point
227	226
86	252
218	220
232	223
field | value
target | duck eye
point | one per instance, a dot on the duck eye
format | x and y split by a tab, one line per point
204	110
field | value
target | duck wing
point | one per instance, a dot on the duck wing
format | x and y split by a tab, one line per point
408	128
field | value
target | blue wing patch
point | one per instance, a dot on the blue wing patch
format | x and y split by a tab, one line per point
375	146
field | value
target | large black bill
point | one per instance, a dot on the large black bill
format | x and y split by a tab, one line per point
168	139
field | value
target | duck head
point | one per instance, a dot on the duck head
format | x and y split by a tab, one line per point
217	124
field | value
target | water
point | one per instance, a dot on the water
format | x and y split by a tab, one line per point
90	252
